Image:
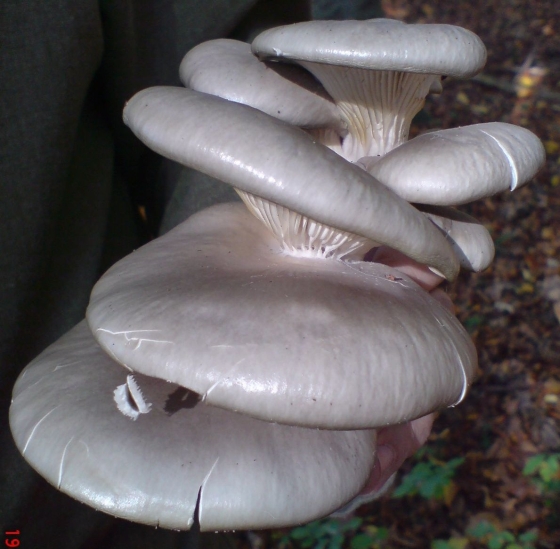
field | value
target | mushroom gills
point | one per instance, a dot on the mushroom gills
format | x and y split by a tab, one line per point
377	106
258	154
301	236
129	399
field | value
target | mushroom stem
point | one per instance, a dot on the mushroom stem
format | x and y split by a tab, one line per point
376	106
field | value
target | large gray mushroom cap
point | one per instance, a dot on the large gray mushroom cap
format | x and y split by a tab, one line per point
217	307
248	473
379	72
379	44
272	160
228	69
460	165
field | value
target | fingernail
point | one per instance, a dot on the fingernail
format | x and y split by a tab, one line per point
386	456
421	428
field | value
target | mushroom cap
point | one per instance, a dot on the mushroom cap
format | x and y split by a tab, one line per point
228	69
379	44
266	157
249	473
469	238
460	165
215	306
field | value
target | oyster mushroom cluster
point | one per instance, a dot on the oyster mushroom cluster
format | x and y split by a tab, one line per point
236	369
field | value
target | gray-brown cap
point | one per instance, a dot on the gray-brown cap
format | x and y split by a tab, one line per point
217	307
228	69
71	417
460	165
272	160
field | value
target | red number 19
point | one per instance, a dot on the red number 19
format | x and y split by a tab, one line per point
12	541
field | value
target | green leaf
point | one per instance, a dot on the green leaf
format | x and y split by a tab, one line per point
336	541
429	479
330	528
352	524
495	543
529	537
549	468
300	532
500	539
482	529
473	322
454	463
361	541
458	543
377	533
452	543
533	464
504	237
440	544
406	488
325	534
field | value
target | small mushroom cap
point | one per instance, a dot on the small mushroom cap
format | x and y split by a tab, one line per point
379	44
215	306
470	240
460	165
228	69
249	473
263	156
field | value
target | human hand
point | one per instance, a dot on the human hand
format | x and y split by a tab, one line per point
396	443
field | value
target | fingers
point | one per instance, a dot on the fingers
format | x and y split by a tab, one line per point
421	429
398	442
421	274
416	271
395	444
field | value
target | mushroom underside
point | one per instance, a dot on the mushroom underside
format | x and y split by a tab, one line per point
377	107
264	157
378	71
301	236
